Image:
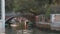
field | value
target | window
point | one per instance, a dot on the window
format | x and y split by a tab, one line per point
57	18
41	18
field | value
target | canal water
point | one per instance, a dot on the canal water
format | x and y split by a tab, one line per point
10	30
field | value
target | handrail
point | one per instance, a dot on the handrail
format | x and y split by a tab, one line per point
8	19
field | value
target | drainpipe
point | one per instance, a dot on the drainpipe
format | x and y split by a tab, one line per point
2	23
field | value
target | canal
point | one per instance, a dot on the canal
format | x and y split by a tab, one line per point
10	30
19	30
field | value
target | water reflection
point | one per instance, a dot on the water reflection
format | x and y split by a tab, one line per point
9	30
